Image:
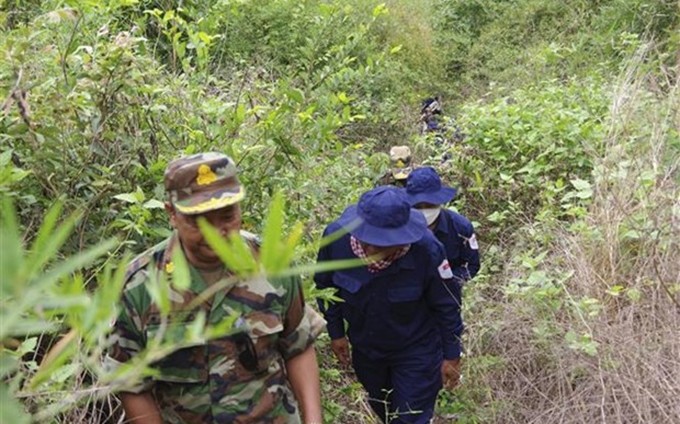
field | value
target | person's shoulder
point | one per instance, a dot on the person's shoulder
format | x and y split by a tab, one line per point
429	244
461	223
135	271
333	228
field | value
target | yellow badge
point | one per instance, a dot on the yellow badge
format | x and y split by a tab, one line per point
205	175
169	267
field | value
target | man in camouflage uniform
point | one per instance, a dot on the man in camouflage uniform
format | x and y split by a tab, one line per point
264	370
400	167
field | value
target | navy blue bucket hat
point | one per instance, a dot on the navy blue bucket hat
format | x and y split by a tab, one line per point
383	217
424	186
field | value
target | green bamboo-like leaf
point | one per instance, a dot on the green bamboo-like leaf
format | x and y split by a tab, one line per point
8	363
11	410
17	326
196	329
48	242
159	291
291	244
11	258
319	267
233	252
104	302
330	238
76	262
127	197
181	277
271	235
61	357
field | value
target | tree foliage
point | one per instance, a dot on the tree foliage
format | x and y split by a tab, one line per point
568	165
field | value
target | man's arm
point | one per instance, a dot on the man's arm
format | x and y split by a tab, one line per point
469	253
331	311
301	327
443	297
303	374
140	408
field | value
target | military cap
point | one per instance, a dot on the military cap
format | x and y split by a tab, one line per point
400	156
202	182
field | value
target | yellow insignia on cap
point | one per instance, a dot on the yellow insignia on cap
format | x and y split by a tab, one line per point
205	175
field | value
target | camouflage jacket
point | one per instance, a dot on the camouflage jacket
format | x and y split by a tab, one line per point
388	179
238	378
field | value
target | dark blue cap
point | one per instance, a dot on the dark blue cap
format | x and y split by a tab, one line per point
383	217
424	186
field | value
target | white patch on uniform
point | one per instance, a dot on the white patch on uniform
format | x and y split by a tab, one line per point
473	242
445	270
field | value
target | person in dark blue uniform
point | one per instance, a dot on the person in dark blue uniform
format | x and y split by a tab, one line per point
401	308
426	193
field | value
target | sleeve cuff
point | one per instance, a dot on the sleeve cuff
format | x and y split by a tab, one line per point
309	328
452	350
336	330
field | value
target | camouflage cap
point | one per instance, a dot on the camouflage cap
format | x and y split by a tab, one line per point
202	182
400	156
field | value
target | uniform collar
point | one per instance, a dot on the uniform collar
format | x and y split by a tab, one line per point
362	275
442	223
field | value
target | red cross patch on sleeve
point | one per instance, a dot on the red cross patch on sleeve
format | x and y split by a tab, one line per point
445	270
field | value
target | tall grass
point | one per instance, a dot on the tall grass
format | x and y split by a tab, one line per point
591	331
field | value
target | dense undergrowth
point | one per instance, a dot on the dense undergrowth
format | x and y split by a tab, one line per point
568	167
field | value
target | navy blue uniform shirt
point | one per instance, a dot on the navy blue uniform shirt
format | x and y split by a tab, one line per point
409	306
457	235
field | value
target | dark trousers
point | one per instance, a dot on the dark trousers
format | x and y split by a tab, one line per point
402	388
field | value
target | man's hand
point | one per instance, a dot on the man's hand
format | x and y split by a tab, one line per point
451	373
340	348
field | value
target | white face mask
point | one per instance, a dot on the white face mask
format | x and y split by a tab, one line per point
431	214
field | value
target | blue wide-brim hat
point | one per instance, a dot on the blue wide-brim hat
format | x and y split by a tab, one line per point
383	217
424	186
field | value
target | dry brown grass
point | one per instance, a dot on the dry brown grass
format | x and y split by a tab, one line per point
624	291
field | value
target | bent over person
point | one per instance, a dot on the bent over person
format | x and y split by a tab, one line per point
426	193
403	318
262	371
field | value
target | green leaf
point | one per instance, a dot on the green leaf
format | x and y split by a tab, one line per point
5	157
580	184
295	95
271	235
153	204
396	49
77	262
380	9
127	197
319	267
234	252
15	327
48	243
11	258
11	410
342	97
196	329
181	277
63	373
159	291
8	363
27	346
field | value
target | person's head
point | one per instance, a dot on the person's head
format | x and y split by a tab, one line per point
431	106
425	192
203	185
400	163
383	221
